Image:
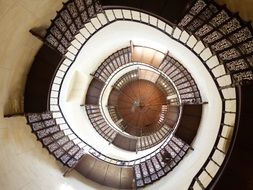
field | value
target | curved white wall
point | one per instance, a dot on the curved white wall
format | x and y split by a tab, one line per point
92	55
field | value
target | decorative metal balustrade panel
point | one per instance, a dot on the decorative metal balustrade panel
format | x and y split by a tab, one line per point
159	165
224	33
183	80
69	20
112	63
53	137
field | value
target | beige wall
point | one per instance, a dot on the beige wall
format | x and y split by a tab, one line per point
18	46
24	164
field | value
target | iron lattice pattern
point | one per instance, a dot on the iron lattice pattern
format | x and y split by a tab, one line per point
55	138
69	20
229	37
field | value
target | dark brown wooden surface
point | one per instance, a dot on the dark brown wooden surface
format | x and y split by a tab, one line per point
142	117
189	123
105	173
39	79
172	10
93	93
125	142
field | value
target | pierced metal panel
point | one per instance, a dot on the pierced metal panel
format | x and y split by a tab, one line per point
63	140
78	23
230	26
52	40
56	32
65	158
215	35
194	25
37	126
247	47
80	5
222	44
73	29
58	153
68	35
91	11
241	35
60	24
229	54
33	117
247	75
187	19
237	65
204	30
64	42
72	9
52	147
220	18
61	49
199	5
66	16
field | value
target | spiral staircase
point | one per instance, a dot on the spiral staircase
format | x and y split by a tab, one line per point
220	40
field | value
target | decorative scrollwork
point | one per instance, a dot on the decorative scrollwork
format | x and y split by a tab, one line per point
78	23
199	5
236	65
52	40
229	54
80	5
230	26
247	75
73	29
220	45
66	17
214	36
185	20
204	30
194	25
72	9
241	35
247	47
220	18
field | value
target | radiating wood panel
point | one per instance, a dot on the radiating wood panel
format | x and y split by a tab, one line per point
140	105
148	56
